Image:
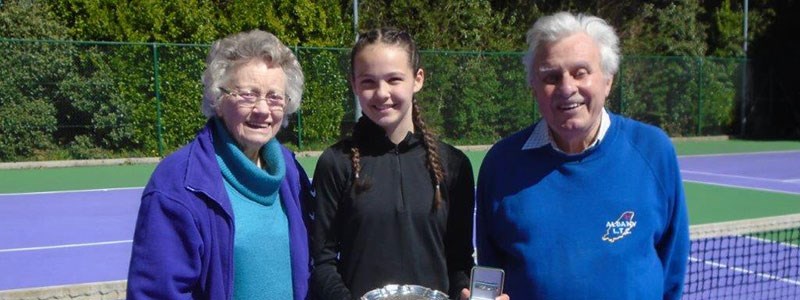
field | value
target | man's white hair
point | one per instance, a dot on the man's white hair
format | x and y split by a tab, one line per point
552	28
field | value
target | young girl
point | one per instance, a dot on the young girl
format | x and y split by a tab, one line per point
394	205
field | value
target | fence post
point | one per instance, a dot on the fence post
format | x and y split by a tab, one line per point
299	111
300	128
699	95
156	87
743	104
620	85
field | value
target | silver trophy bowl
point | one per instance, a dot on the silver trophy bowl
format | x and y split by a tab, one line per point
404	292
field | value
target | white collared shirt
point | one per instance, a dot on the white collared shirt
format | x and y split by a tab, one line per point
541	136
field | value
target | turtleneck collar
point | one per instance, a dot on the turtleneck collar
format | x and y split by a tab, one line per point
372	138
242	174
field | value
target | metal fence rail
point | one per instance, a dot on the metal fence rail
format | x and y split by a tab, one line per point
81	100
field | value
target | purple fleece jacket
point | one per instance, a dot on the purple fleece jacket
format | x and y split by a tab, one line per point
183	243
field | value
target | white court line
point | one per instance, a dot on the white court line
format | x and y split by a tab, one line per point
731	176
748	271
71	191
65	246
789	181
741	153
765	240
742	187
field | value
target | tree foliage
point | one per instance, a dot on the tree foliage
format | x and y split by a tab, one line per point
28	117
729	27
451	25
672	30
185	21
138	91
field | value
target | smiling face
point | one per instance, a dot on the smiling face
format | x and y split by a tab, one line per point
252	127
571	90
385	83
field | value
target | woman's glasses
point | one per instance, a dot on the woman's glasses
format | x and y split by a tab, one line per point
248	99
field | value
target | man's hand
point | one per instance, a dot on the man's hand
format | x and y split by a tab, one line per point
465	295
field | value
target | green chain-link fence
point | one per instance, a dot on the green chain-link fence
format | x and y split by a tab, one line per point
81	100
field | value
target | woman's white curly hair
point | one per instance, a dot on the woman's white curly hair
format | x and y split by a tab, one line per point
228	53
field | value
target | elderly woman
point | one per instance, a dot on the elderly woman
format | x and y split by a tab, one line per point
224	217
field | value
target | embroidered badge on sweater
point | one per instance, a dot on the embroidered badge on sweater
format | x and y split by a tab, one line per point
618	229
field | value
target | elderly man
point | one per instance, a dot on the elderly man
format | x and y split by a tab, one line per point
583	204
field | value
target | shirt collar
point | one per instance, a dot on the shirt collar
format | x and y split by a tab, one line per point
541	137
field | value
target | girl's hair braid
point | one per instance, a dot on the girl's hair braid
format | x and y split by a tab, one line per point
359	184
434	165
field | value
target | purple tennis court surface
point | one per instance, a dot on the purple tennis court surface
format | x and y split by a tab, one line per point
766	171
64	238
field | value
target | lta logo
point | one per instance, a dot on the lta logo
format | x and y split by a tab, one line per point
618	229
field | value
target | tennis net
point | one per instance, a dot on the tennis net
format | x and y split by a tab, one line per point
749	259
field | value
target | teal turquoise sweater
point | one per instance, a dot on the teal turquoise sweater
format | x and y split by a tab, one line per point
261	237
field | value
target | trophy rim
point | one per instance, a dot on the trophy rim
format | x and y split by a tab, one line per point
392	290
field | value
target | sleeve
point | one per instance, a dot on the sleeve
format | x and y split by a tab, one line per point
458	241
673	247
300	206
485	250
165	260
326	281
